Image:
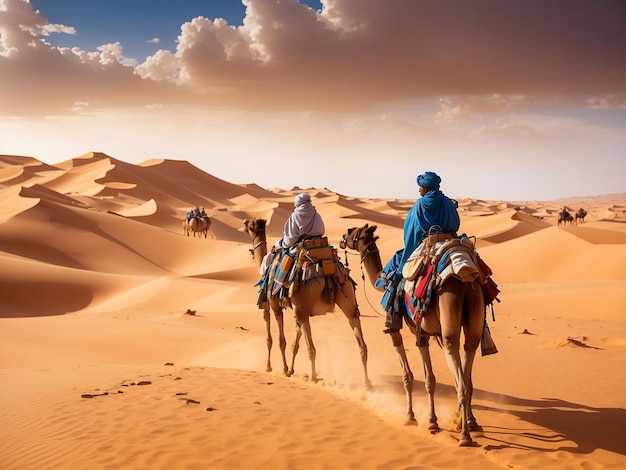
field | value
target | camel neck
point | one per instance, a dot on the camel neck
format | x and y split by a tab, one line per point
259	247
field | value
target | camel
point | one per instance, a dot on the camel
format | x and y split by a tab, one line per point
307	300
256	229
565	217
459	306
199	225
580	215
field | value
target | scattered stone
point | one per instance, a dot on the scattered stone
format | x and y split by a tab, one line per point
144	382
177	378
169	364
190	312
93	395
525	332
190	401
577	342
181	393
210	408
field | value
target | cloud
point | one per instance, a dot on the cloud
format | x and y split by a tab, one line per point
606	102
57	28
153	41
350	56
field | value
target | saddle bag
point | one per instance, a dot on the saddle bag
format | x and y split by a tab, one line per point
490	291
316	249
413	268
283	269
422	286
483	266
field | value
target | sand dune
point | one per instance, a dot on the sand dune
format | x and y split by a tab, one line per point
126	344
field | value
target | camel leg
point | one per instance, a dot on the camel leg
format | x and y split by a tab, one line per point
268	340
282	341
468	363
407	376
350	309
472	330
278	315
355	324
295	348
430	382
305	326
450	308
453	359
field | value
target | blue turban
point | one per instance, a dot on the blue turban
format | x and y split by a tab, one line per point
429	180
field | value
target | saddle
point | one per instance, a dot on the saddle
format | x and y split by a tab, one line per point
310	258
436	260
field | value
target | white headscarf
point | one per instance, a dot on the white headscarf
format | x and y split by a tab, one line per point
303	221
301	199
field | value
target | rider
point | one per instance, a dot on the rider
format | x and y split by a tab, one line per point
190	214
303	222
434	211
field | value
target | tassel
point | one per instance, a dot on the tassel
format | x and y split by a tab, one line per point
487	346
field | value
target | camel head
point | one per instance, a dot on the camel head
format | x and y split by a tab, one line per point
356	235
254	226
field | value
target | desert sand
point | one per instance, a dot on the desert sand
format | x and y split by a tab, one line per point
125	344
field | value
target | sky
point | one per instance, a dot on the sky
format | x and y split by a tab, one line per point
516	100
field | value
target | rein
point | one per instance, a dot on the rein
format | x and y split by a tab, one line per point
263	240
351	244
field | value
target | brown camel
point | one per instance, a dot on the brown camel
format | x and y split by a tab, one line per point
256	230
565	217
459	306
580	215
197	225
307	300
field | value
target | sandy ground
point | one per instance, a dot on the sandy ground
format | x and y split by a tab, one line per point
102	367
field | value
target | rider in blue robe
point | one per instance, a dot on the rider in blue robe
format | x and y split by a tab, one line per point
433	212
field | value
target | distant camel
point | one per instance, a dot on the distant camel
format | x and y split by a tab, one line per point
580	215
460	307
199	225
307	299
565	218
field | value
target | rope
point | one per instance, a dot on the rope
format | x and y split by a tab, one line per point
364	284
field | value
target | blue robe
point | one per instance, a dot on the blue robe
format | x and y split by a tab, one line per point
435	210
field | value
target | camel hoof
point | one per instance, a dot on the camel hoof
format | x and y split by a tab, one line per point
368	386
410	421
268	369
474	426
465	441
289	373
433	426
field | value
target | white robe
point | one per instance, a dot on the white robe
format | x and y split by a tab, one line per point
304	221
